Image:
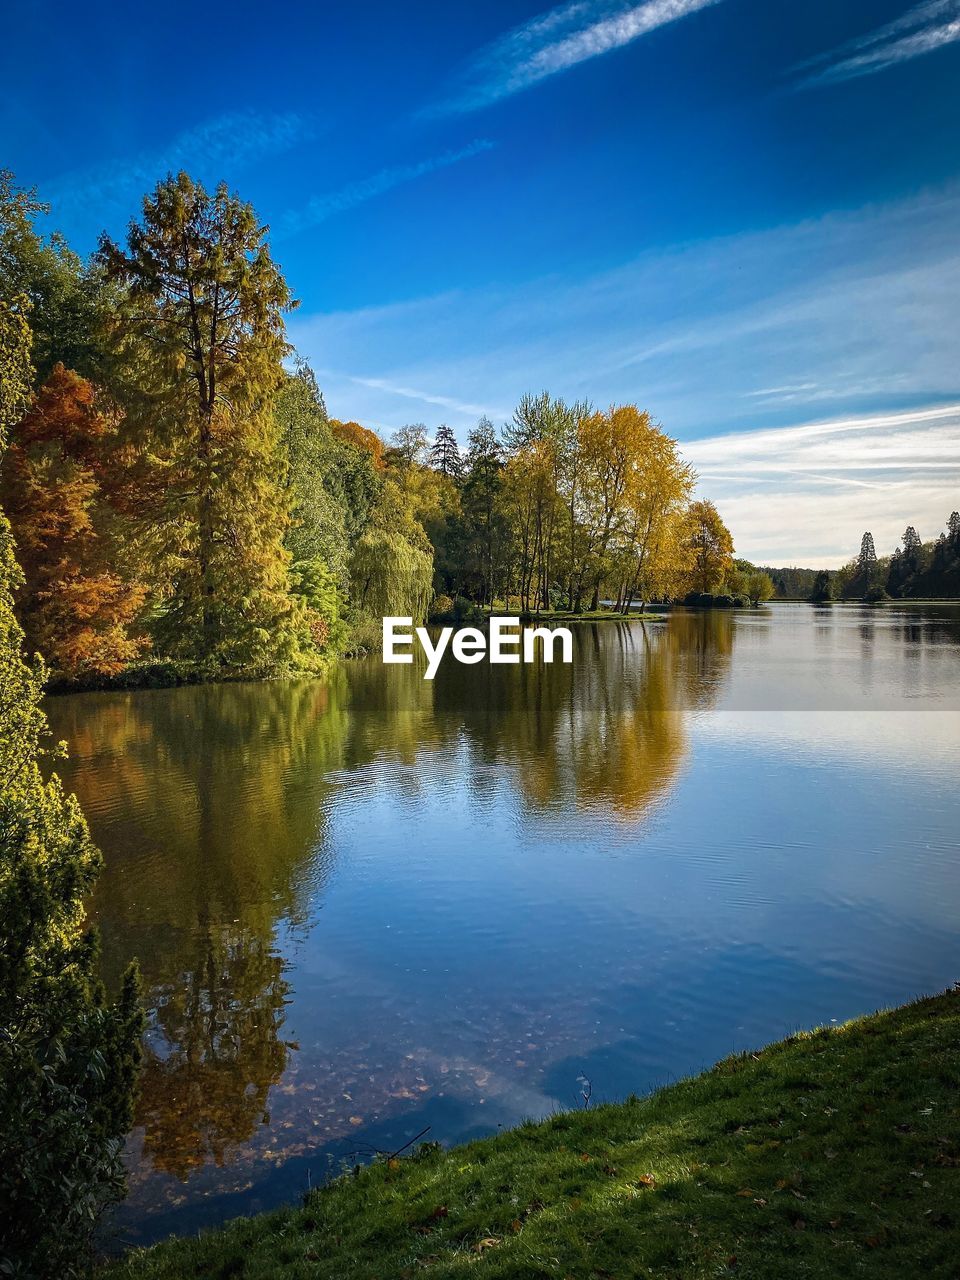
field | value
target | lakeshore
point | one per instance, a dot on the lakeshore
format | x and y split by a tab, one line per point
834	1152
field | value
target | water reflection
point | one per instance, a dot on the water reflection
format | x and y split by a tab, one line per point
372	903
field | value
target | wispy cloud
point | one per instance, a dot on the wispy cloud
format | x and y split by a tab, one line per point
322	207
234	140
796	494
423	397
555	41
920	30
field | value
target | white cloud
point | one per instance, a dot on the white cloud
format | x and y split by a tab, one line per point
920	30
229	141
795	495
556	41
326	206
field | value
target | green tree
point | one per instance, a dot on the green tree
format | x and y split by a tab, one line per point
822	589
445	454
408	445
759	587
66	300
317	527
198	336
67	1057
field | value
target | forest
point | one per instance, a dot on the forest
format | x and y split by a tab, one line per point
183	505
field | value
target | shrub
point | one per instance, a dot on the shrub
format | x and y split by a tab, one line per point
68	1058
466	613
441	610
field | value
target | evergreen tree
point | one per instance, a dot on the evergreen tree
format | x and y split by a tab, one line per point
911	540
198	336
486	532
953	531
822	587
445	454
867	559
67	1057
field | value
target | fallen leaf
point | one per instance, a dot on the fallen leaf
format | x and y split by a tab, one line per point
488	1242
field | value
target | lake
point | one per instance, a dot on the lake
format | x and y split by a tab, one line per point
372	904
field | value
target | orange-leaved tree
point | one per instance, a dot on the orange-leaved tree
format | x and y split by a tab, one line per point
77	605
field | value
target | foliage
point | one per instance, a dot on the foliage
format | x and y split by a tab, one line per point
67	1056
822	589
198	338
75	606
391	576
319	587
361	438
66	300
317	527
711	546
788	1161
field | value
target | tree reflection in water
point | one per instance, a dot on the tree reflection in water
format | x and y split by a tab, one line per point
211	804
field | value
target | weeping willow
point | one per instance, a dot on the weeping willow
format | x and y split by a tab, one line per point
391	576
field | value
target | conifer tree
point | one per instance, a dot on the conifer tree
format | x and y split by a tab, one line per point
198	337
867	559
445	454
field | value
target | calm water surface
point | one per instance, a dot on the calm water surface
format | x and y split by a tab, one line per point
374	904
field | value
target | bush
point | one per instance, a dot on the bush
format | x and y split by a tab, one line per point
68	1058
707	600
466	613
441	610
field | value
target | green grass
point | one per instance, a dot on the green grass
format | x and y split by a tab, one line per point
834	1153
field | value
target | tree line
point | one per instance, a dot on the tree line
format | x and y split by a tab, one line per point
915	569
178	492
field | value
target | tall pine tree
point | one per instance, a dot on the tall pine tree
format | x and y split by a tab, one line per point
198	338
445	454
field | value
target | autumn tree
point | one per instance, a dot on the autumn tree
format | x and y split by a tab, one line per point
76	605
658	492
711	547
353	433
198	337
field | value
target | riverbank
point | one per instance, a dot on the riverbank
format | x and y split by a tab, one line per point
831	1153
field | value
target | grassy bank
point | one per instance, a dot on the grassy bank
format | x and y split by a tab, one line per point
834	1153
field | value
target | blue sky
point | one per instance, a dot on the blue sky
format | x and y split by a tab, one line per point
742	215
